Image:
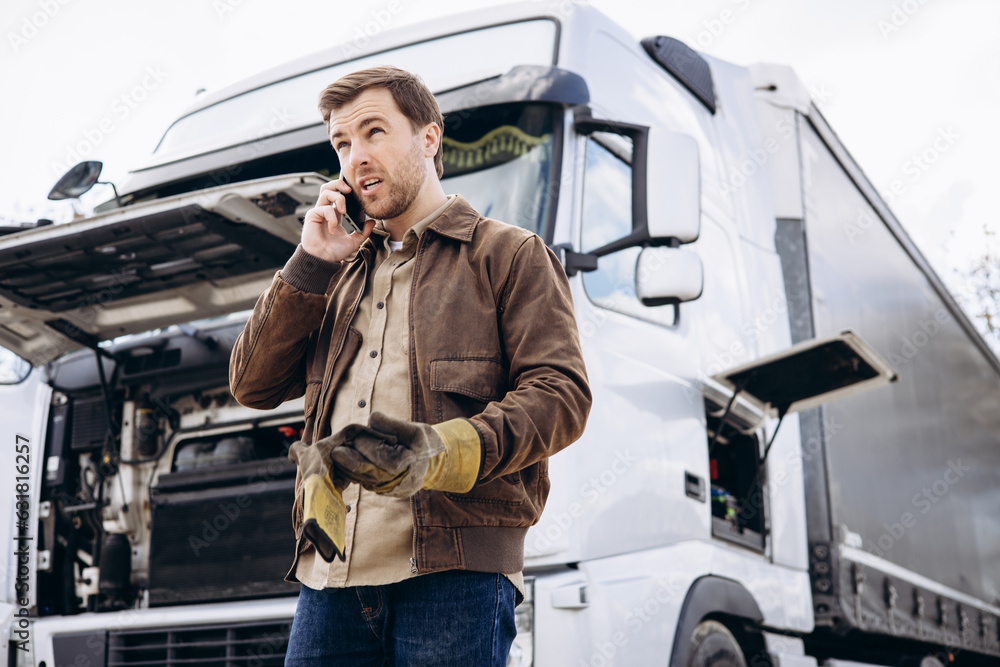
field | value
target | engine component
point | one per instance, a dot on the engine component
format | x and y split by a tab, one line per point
217	532
205	454
116	565
90	423
147	428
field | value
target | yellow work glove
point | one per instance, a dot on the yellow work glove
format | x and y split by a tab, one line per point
324	513
398	457
324	516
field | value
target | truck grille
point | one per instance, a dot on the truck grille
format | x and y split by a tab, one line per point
250	645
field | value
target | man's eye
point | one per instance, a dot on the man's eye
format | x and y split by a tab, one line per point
376	129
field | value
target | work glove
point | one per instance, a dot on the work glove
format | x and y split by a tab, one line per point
324	511
397	458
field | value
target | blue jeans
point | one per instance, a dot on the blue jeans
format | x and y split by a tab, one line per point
456	617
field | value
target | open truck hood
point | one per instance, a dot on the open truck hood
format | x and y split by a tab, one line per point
168	261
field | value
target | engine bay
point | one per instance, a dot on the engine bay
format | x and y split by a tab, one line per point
158	487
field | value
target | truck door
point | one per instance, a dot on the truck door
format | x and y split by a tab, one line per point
646	427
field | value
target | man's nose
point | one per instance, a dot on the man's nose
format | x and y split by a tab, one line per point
359	156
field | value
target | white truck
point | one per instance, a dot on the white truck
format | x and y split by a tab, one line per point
721	245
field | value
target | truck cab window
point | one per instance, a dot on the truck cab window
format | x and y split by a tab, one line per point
607	216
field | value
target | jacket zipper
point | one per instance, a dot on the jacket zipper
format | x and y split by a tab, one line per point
413	559
421	242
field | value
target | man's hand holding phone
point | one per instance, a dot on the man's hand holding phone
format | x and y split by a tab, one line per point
323	235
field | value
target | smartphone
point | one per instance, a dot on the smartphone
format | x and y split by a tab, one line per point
355	218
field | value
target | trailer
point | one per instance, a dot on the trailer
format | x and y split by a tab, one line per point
732	270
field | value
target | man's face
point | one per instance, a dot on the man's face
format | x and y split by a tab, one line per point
382	159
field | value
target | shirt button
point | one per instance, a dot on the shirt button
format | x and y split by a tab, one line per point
362	403
348	508
380	305
373	354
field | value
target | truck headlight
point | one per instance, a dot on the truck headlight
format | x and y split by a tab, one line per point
522	651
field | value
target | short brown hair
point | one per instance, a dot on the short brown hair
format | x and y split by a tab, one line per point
410	93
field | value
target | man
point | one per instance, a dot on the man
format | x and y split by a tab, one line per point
440	362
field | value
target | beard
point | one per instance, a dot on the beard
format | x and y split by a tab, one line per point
402	185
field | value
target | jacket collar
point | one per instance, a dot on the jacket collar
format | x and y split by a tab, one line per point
367	248
458	221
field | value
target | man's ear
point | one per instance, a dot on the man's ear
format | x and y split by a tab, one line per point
431	139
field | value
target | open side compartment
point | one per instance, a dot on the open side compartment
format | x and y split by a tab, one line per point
736	490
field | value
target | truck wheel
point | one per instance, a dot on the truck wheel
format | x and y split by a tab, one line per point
713	645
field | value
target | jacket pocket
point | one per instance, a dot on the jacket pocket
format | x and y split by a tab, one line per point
505	490
464	385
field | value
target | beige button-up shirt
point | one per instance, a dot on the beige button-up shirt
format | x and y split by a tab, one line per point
379	530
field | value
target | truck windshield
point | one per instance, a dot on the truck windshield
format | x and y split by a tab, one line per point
500	159
443	63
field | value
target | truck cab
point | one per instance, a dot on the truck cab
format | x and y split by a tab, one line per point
675	189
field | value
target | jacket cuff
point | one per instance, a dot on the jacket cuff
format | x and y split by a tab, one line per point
482	450
308	273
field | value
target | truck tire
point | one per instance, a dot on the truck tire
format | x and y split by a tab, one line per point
713	645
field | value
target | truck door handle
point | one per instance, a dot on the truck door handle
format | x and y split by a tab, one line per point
694	486
573	596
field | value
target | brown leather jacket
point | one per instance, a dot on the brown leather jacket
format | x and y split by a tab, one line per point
493	338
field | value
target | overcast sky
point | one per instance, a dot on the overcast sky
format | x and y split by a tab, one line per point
890	75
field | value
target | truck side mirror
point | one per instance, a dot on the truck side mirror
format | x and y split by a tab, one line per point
666	276
77	181
666	188
673	187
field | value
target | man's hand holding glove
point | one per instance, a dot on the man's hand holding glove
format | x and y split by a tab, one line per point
398	457
390	456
